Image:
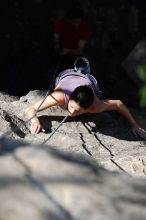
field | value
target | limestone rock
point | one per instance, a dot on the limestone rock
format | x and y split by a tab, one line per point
91	168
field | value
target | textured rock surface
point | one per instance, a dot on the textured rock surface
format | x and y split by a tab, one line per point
42	182
105	137
65	179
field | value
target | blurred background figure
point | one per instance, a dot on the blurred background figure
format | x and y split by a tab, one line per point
72	35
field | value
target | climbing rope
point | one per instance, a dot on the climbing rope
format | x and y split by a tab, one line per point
47	93
55	129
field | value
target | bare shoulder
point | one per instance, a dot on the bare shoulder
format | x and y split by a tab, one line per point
57	97
103	105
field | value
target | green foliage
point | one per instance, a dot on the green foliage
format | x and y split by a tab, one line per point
143	96
142	74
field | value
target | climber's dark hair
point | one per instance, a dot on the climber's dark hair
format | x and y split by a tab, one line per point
83	95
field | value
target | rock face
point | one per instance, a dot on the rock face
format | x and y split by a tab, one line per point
91	168
133	62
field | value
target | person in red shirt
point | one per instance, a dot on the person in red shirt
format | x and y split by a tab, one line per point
71	35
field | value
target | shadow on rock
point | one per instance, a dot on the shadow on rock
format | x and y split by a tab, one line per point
8	146
109	124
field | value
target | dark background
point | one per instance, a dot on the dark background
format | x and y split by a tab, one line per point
26	44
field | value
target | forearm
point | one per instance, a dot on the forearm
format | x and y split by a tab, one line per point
136	129
54	99
35	125
31	114
123	110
